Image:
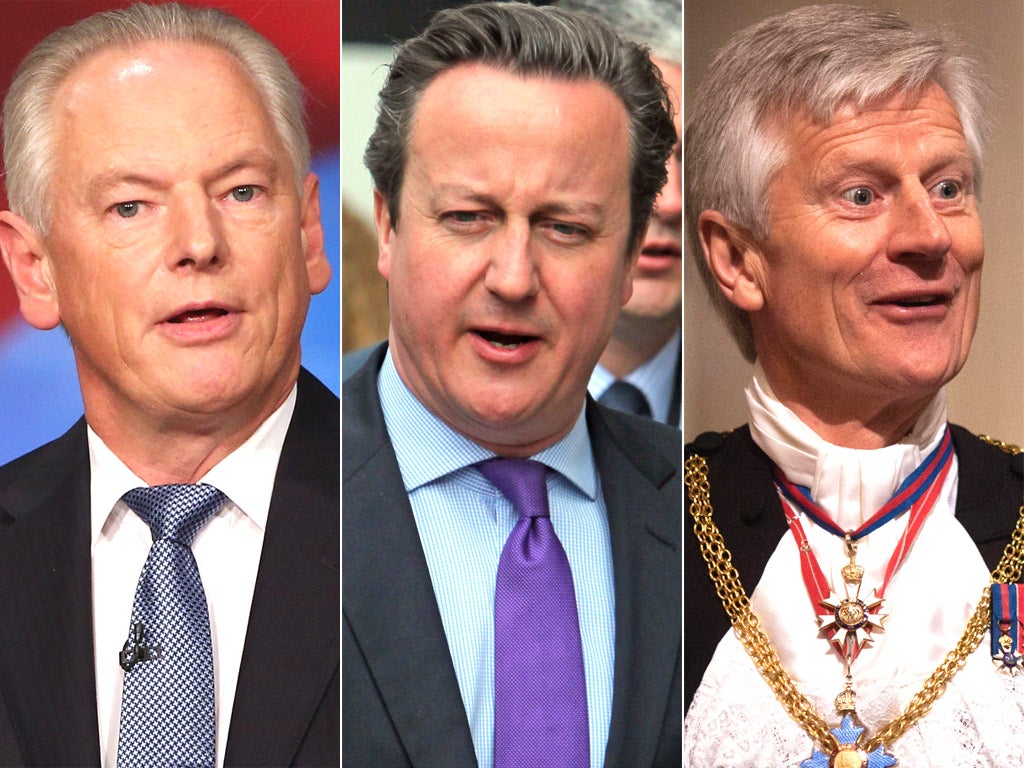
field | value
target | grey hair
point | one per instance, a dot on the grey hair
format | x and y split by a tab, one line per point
658	24
808	62
28	119
527	40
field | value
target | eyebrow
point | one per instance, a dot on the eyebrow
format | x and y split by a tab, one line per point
445	191
255	160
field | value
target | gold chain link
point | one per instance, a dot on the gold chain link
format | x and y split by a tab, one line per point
759	647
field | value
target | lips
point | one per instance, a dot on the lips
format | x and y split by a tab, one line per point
662	250
912	299
197	315
505	340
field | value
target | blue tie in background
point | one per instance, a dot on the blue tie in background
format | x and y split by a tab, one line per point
627	397
167	708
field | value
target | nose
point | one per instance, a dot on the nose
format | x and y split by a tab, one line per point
919	230
668	206
199	242
511	268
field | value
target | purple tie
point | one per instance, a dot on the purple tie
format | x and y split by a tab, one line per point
540	693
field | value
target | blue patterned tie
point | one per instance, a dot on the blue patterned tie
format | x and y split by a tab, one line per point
540	689
167	710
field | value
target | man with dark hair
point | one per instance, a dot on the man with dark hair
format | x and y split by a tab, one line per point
640	370
511	549
833	160
169	565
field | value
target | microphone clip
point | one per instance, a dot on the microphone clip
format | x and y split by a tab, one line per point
136	650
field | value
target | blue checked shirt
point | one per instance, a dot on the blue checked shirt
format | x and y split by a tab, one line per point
463	522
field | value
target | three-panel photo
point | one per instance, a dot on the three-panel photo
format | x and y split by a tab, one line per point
511	384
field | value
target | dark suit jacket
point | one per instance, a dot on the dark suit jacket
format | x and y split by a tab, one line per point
286	708
402	705
749	514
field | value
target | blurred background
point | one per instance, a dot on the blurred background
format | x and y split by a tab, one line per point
988	395
39	397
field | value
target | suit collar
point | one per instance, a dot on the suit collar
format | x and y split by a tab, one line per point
46	646
389	602
291	652
642	494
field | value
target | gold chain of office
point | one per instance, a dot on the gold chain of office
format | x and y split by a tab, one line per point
759	647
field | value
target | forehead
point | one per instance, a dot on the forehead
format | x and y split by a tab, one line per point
531	131
158	92
895	130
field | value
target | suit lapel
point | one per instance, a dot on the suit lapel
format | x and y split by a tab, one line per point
46	643
389	602
291	653
642	494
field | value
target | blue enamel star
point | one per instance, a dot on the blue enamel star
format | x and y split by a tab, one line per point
848	734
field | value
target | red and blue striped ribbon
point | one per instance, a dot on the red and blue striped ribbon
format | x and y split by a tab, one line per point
909	492
1008	616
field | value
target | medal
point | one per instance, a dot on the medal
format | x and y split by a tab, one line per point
850	753
850	619
1008	628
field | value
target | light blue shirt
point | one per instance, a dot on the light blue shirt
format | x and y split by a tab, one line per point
463	522
656	378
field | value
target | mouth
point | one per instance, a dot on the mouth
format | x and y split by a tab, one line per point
662	251
505	340
918	300
197	315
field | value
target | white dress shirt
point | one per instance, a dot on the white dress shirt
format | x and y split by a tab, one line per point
227	551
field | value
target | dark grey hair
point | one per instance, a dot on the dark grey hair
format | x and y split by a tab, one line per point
529	40
28	109
808	62
658	24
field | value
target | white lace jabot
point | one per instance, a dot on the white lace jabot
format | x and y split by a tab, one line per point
735	721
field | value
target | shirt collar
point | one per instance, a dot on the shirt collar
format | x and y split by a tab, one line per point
851	483
245	476
412	427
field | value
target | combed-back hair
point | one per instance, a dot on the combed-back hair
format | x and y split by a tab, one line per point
28	114
807	63
526	40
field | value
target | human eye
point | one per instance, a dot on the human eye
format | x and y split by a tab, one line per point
860	196
948	189
465	222
128	209
566	232
244	193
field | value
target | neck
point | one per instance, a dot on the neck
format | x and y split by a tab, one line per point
634	341
176	448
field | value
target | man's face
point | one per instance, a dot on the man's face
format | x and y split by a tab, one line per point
871	272
510	260
658	280
181	251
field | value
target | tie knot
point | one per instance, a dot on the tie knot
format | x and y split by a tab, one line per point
623	396
175	511
523	481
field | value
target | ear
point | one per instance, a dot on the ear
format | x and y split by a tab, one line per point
28	262
734	260
318	268
382	220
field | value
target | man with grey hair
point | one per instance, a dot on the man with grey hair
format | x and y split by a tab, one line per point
833	160
641	368
511	585
170	564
